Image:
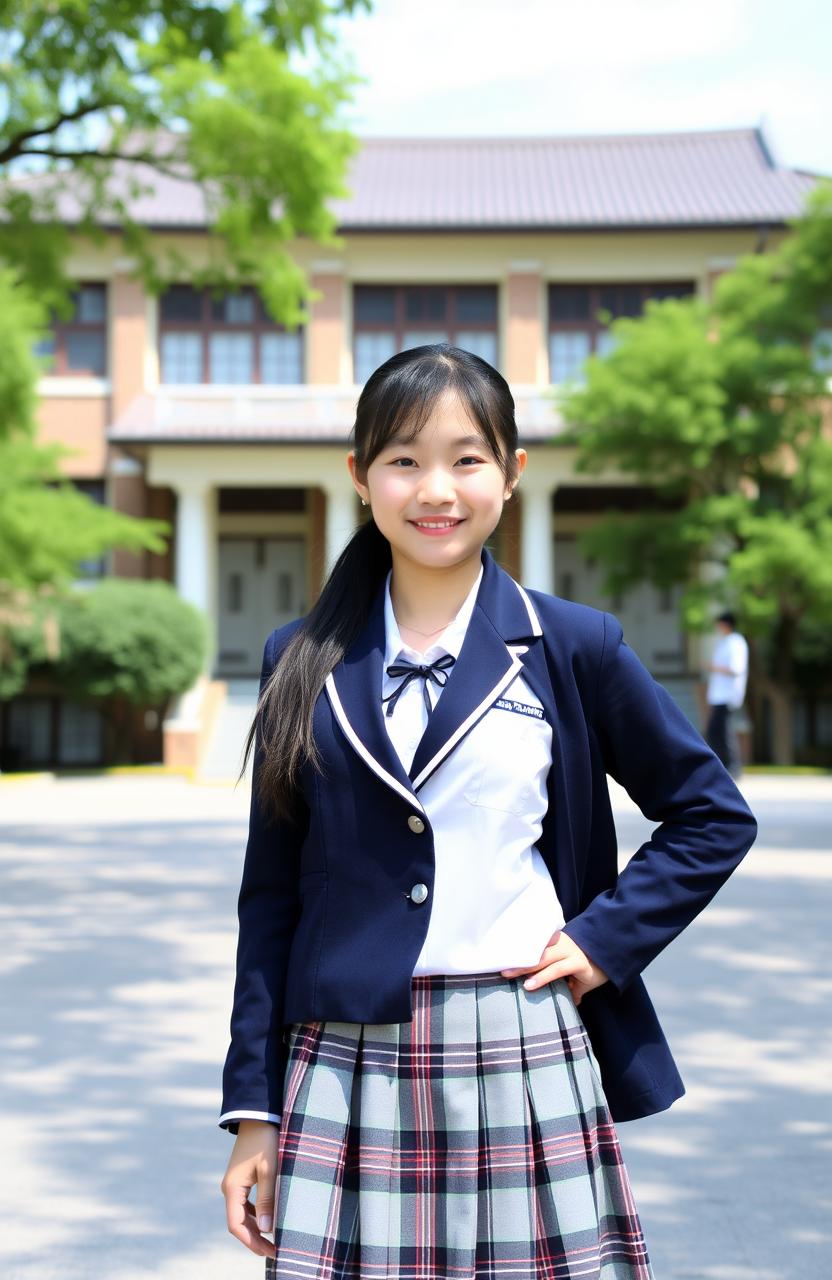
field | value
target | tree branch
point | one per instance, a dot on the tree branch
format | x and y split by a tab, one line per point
129	158
16	147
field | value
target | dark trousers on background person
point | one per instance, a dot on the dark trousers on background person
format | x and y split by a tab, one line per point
721	737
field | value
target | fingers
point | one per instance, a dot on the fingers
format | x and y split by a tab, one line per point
532	968
570	963
577	988
265	1210
560	969
240	1217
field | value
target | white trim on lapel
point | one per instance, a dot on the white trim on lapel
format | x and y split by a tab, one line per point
533	618
469	721
366	756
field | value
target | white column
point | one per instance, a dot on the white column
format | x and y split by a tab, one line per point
537	538
196	553
341	521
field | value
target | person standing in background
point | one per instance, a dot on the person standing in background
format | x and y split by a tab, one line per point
727	680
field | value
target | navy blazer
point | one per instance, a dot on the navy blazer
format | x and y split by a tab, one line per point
326	927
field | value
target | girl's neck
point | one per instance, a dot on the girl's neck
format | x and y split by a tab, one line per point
426	600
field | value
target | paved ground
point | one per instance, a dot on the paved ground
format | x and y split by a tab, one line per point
117	919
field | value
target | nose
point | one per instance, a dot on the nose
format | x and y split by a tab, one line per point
437	486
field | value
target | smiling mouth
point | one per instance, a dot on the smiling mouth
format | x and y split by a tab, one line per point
436	523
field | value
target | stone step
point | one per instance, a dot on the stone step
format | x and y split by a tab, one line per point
224	754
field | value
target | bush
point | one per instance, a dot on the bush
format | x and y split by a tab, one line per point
126	638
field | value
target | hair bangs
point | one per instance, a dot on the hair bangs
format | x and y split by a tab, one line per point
399	398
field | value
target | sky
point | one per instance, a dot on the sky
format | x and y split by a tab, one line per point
531	67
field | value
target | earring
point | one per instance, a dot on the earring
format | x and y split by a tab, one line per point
363	503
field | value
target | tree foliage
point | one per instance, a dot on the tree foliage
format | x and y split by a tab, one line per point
722	408
47	526
133	639
121	637
100	97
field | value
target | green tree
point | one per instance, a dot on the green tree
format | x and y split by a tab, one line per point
124	643
100	97
722	408
46	525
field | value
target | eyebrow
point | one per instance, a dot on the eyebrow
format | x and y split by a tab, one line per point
398	442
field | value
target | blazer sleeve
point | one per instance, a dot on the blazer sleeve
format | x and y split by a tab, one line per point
268	907
706	828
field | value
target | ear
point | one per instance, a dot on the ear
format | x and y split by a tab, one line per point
361	489
522	458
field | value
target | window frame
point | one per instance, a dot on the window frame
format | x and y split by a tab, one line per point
401	322
207	326
61	330
593	327
93	568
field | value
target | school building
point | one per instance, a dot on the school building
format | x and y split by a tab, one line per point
210	415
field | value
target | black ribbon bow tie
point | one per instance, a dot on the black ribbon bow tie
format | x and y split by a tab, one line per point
436	670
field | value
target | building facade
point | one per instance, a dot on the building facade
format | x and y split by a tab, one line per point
207	413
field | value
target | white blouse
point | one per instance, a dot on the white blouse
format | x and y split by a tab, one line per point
494	905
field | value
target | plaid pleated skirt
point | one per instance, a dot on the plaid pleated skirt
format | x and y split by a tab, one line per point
473	1141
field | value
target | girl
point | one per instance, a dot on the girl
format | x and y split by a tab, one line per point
438	1011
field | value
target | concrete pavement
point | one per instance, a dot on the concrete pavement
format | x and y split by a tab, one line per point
118	926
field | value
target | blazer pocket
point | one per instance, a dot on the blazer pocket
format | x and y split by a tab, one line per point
505	748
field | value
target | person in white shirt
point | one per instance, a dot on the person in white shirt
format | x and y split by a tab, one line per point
727	680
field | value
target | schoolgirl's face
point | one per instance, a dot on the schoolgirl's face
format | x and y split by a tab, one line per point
439	497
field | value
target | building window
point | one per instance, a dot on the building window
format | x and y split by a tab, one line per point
575	328
391	318
182	357
77	347
27	739
80	734
43	731
94	568
231	357
228	340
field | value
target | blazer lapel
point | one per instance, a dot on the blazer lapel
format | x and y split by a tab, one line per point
488	661
354	690
485	666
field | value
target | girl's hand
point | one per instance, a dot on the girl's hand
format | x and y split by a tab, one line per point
253	1160
563	958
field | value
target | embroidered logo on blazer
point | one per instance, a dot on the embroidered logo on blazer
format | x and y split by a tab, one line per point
523	708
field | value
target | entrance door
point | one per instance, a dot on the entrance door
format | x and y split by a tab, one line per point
261	585
649	616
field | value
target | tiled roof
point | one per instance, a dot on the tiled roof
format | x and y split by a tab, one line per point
710	178
239	416
650	180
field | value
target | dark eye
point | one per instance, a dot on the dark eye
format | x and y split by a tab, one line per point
395	460
470	457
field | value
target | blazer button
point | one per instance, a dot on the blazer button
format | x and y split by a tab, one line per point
415	823
419	892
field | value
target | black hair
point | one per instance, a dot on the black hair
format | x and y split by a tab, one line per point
729	617
397	399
